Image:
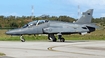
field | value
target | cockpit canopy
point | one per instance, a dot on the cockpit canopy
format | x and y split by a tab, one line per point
35	23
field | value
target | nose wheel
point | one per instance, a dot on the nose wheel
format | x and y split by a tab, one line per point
22	39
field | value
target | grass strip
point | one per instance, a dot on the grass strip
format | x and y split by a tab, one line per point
97	35
2	54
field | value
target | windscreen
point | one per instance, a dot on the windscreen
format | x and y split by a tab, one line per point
35	23
30	24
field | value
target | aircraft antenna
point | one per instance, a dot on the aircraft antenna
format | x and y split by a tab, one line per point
32	14
78	11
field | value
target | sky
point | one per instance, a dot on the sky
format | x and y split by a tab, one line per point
51	7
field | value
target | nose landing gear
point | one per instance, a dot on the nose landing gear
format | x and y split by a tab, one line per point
22	38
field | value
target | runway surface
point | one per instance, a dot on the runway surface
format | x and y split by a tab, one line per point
69	49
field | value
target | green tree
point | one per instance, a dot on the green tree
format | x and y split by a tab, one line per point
13	25
66	18
0	26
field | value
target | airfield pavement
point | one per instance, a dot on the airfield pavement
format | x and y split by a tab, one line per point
68	49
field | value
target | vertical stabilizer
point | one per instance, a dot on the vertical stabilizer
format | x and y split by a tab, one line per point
86	17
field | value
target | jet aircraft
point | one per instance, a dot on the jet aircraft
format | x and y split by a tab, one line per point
81	26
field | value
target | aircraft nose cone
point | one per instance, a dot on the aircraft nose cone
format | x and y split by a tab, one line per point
13	32
9	32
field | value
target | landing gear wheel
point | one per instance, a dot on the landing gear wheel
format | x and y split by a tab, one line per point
49	38
52	37
60	37
54	40
62	40
22	39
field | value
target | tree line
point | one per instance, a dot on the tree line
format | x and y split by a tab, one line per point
17	21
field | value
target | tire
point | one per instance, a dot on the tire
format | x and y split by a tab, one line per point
54	40
22	40
62	40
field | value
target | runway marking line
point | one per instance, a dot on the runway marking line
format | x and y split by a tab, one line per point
51	49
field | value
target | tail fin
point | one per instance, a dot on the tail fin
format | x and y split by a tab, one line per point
86	17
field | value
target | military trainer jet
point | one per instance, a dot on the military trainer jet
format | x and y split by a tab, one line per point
81	26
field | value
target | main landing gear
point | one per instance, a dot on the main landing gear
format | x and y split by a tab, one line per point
60	37
53	38
22	38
